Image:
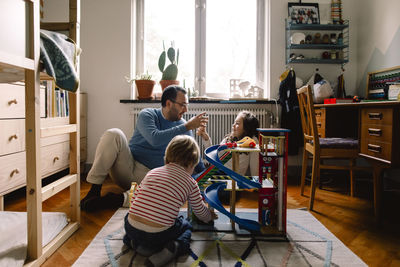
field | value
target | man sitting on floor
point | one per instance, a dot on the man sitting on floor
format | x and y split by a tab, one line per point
127	163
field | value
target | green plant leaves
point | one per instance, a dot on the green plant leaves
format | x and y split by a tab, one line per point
170	73
161	61
171	54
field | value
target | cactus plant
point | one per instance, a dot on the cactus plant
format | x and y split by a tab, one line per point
171	71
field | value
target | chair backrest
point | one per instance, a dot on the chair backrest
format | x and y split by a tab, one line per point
308	120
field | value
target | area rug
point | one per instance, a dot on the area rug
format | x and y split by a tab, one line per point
308	243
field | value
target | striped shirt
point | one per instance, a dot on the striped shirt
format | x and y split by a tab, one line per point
163	192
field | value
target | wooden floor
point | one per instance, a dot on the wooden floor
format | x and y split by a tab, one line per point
350	219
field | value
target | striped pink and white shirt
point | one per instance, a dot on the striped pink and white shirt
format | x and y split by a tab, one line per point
163	192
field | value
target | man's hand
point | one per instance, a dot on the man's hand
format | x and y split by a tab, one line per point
197	121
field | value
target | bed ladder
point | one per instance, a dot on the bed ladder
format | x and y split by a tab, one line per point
37	254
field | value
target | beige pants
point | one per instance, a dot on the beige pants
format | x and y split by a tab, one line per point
114	157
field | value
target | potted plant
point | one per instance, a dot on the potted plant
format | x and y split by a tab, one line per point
144	85
170	72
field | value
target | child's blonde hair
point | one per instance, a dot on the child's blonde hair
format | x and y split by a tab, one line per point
182	150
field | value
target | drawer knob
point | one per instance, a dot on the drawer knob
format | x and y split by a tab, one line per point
14	101
374	148
374	132
375	115
12	137
15	171
55	159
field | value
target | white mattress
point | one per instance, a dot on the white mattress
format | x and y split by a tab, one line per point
13	234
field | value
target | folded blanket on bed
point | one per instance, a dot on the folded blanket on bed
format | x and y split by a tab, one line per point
58	54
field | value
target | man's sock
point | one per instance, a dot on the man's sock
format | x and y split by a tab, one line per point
94	192
109	201
167	254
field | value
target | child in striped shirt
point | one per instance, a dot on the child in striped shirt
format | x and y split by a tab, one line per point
152	223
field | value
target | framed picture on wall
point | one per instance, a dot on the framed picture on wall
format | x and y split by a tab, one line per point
303	13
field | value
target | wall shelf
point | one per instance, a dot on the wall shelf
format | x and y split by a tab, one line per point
311	53
318	61
317	27
317	46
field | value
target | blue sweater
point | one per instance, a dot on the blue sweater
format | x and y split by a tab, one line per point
152	135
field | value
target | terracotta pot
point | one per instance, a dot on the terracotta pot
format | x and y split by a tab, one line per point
145	88
165	83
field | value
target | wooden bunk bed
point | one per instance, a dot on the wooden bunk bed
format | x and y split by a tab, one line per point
26	64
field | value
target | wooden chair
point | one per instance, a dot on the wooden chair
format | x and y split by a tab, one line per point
322	148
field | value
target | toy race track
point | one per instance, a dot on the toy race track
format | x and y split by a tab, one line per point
211	192
211	154
211	196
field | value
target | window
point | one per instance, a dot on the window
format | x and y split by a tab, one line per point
217	41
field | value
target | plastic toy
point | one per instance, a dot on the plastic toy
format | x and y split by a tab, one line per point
230	145
246	142
270	184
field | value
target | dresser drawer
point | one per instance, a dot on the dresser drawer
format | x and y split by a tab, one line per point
12	136
12	172
382	133
377	149
12	101
54	158
377	116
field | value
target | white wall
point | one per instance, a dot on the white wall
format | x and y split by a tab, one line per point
105	41
105	28
304	71
105	60
378	38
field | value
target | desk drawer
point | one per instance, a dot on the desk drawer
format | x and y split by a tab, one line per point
320	117
12	172
12	136
377	149
382	133
377	116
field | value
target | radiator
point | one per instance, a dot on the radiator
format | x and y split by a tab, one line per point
221	116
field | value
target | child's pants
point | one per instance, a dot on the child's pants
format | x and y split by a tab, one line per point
181	231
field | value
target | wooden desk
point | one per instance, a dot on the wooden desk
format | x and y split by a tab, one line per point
377	127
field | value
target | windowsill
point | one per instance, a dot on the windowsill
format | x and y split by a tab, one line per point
218	101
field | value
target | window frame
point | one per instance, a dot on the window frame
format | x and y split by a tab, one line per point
262	44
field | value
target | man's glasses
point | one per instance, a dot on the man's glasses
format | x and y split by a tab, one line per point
183	105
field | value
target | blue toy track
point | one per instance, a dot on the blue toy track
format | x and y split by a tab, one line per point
211	192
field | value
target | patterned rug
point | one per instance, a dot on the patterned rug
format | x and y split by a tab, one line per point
308	243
